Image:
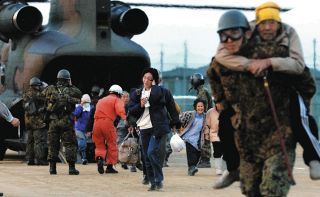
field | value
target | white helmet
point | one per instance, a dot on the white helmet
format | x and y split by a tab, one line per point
85	98
116	89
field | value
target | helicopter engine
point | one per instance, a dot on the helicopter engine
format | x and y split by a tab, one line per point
18	19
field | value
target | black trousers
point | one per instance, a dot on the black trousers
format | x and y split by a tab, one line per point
226	135
193	155
217	149
299	132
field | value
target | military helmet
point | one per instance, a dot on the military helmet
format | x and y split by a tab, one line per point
95	89
116	89
35	81
63	74
233	19
197	79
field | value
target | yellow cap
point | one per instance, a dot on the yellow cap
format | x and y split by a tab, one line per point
268	11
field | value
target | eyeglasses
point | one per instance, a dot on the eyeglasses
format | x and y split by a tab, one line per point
232	34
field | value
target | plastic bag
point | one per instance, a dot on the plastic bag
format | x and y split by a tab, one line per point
176	143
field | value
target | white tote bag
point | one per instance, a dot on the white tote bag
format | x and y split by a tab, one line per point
176	143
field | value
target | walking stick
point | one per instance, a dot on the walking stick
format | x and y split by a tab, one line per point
276	120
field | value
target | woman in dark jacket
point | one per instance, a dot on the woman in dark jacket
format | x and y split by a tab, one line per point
150	107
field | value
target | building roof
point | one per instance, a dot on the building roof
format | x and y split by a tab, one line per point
181	71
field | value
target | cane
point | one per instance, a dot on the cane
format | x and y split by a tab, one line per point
276	120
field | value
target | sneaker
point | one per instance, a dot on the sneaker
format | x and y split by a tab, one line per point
219	172
139	166
84	161
192	170
165	164
204	164
227	179
152	188
100	165
145	180
124	166
133	169
314	168
159	186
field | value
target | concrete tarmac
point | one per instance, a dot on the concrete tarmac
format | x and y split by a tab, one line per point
19	180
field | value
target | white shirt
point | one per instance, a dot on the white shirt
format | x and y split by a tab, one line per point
144	121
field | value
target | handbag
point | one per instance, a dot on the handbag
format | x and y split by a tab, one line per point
129	150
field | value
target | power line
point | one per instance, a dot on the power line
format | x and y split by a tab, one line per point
211	7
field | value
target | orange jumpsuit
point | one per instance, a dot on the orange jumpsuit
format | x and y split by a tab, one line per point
107	109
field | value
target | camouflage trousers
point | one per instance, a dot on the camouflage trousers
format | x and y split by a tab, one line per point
62	129
206	151
37	147
268	178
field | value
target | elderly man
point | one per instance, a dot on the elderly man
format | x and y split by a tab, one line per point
270	29
262	143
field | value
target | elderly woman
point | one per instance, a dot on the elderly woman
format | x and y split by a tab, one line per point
82	114
192	132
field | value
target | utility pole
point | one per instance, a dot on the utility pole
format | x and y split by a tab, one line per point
161	58
314	57
185	60
185	66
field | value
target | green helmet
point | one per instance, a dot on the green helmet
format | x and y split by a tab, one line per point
63	74
233	19
196	80
35	81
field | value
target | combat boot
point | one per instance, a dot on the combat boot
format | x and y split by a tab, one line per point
31	162
110	169
72	169
53	168
314	166
41	162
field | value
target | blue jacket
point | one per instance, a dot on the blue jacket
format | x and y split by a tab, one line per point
82	118
162	109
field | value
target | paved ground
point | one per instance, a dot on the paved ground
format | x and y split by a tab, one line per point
19	180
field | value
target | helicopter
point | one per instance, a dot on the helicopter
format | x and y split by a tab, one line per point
91	39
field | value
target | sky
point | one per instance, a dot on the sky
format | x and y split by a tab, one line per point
172	29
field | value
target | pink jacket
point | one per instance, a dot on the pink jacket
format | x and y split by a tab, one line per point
212	125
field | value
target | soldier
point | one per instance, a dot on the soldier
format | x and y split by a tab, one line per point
265	141
34	107
197	82
271	33
61	100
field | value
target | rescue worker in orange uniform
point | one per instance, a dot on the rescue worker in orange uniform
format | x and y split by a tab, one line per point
104	132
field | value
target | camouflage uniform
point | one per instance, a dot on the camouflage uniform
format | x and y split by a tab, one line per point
203	93
262	168
225	89
34	106
61	100
206	147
